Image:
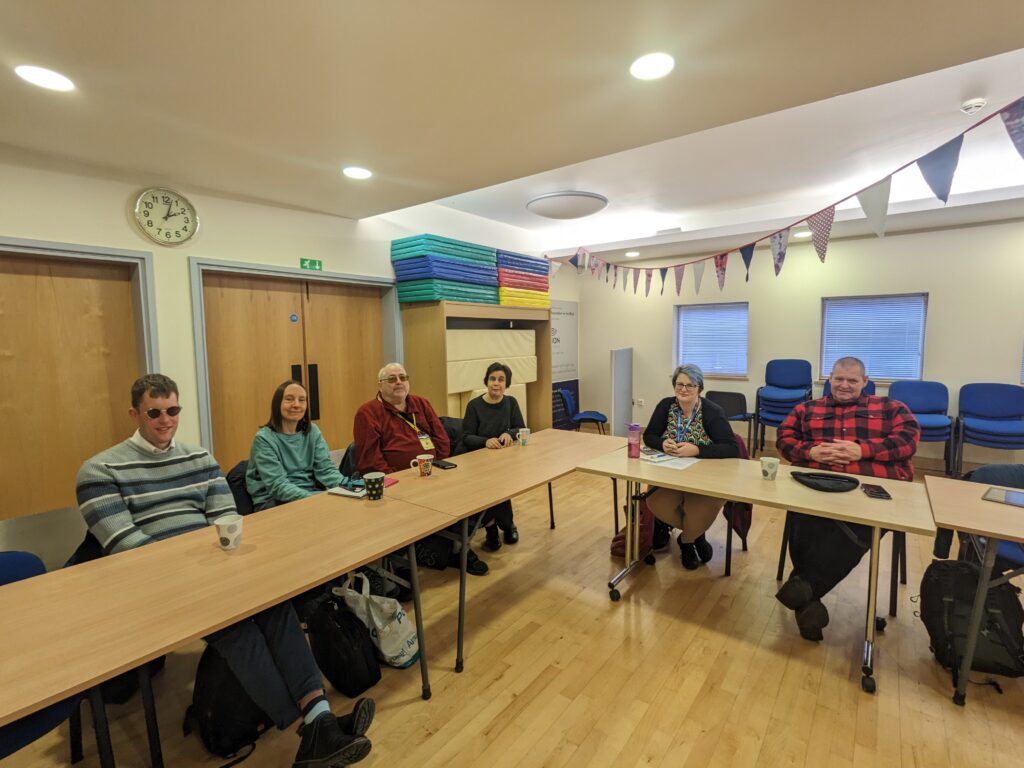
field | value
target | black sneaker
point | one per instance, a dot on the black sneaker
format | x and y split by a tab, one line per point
474	565
324	745
357	722
493	542
704	549
811	619
688	556
795	593
511	534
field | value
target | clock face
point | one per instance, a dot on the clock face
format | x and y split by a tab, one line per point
166	216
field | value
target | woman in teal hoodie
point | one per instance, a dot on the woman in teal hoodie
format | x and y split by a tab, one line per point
289	458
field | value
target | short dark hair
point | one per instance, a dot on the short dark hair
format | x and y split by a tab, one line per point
154	385
499	367
275	422
850	362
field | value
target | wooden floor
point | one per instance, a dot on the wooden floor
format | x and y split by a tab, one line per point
689	669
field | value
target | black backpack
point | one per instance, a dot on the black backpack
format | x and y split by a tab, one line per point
947	594
342	648
227	719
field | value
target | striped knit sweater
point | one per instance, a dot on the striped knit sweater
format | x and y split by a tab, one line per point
129	497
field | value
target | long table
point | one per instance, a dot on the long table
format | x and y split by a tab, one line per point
71	629
740	480
957	504
484	478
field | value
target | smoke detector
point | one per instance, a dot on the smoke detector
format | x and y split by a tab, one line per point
973	106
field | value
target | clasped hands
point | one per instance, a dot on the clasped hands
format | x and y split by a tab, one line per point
672	448
500	442
839	452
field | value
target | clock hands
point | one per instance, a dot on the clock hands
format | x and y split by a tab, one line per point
168	214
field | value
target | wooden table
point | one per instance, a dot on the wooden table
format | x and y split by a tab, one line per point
740	480
957	504
69	630
484	478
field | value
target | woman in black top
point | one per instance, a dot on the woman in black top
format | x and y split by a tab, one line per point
689	425
493	420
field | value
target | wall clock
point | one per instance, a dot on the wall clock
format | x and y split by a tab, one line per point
165	216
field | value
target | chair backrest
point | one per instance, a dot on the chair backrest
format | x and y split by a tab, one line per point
453	427
788	374
347	465
869	388
921	396
568	402
992	401
15	566
733	403
1009	475
236	482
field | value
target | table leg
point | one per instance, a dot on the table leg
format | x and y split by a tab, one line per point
414	580
632	540
551	507
463	560
615	502
156	756
984	576
867	682
102	729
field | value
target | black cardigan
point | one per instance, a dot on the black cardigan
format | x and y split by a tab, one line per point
723	445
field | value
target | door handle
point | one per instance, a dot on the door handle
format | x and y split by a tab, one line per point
314	392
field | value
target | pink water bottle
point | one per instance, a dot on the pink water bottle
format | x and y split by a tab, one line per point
634	441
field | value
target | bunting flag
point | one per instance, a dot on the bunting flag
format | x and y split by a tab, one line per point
939	165
720	261
820	225
575	260
663	271
607	271
615	275
594	263
698	274
779	243
553	267
625	278
747	253
679	269
647	282
1013	119
874	201
636	279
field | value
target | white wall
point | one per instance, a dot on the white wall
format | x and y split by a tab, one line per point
975	328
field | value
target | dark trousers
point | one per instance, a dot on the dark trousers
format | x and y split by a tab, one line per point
824	551
500	514
270	657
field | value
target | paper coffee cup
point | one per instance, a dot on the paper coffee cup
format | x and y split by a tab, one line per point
524	436
769	467
374	483
229	531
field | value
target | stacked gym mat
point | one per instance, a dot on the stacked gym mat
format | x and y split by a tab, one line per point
434	268
522	280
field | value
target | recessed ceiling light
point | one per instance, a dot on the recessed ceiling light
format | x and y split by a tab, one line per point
355	172
802	233
632	254
572	204
652	66
44	78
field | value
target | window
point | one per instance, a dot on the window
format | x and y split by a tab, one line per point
714	336
886	332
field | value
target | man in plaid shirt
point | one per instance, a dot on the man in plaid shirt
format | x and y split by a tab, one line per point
846	431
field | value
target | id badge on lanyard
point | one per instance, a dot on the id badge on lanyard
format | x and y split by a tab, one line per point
425	442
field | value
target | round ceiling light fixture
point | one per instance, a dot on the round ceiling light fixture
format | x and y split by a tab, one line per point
802	233
355	172
652	66
567	205
44	78
632	254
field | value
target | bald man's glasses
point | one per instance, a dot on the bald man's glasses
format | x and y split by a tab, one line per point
403	377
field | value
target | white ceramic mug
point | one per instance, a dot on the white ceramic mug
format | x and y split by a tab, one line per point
229	531
524	436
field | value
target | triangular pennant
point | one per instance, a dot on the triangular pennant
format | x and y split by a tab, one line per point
663	271
679	269
874	201
747	253
554	266
939	165
698	274
575	260
615	275
636	279
721	260
1013	119
647	282
625	278
779	243
820	225
607	271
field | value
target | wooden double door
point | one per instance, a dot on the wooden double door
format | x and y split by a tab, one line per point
261	331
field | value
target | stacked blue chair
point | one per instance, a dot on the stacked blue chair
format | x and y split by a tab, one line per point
929	402
434	268
1009	554
787	383
991	415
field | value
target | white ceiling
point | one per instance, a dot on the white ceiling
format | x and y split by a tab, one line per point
774	109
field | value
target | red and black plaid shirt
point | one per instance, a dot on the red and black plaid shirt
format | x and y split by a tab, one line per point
885	430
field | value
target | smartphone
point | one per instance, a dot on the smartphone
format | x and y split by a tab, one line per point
1016	498
875	491
442	464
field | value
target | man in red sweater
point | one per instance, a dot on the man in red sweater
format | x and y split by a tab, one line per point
395	427
846	431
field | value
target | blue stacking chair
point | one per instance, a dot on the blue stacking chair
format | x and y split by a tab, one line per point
1009	554
787	383
929	402
581	417
990	415
15	566
869	388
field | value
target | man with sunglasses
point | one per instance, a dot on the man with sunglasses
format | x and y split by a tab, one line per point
149	488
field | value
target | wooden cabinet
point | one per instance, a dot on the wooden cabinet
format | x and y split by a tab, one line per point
425	327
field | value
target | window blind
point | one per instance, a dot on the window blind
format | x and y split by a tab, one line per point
886	332
714	336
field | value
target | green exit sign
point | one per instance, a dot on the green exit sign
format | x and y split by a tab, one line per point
314	264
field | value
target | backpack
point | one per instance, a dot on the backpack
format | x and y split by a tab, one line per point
343	648
227	719
947	594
